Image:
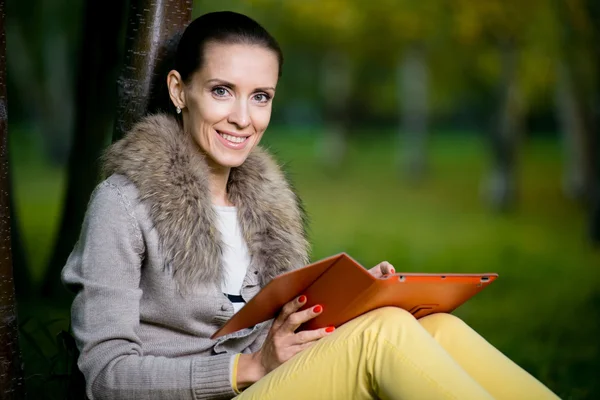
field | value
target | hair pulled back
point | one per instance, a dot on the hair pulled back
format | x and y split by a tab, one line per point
185	51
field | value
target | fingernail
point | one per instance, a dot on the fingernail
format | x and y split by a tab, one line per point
302	299
329	329
317	309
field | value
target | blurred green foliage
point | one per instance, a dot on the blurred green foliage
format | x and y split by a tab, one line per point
463	41
542	311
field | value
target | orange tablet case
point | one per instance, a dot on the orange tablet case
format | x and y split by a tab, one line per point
346	290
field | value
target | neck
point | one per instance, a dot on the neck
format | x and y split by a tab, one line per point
219	175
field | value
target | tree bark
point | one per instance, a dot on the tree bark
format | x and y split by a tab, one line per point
152	30
11	376
21	273
413	88
95	105
505	132
149	26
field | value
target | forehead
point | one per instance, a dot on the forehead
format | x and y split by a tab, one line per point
241	64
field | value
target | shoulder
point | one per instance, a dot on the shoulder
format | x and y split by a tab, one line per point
111	210
113	197
120	186
114	191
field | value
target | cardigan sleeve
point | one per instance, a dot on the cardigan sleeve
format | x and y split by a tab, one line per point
104	272
260	339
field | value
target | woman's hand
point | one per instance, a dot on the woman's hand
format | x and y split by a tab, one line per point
282	342
382	269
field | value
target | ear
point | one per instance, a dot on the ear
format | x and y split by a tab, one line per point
176	89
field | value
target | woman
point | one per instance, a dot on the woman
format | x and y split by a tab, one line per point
194	219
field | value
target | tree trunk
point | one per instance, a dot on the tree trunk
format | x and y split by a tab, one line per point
594	208
505	133
41	67
578	163
413	88
21	273
336	87
95	105
578	47
150	24
152	28
594	201
594	214
11	377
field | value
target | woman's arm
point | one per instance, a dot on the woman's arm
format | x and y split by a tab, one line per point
104	271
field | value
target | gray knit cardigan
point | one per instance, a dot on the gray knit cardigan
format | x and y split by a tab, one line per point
147	268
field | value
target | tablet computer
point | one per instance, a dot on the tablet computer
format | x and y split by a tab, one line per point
345	290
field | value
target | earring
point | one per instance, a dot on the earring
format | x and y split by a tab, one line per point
178	110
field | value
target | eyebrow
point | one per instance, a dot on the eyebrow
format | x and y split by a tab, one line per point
231	85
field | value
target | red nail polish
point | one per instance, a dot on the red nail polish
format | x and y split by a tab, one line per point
302	299
317	309
329	329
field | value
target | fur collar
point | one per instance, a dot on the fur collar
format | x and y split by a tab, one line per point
171	175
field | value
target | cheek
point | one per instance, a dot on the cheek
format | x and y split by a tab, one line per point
211	111
261	118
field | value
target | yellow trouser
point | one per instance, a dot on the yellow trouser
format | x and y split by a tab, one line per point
388	354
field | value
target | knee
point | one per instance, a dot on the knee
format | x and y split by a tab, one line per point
439	323
389	319
390	315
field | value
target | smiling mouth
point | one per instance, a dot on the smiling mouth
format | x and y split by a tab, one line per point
233	139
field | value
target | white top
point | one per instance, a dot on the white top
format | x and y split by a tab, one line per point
235	254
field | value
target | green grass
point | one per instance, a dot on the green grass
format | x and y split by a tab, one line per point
543	311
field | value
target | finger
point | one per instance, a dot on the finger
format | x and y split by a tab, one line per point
386	268
376	271
382	269
305	337
288	310
296	319
323	332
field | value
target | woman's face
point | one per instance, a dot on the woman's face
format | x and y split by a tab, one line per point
228	101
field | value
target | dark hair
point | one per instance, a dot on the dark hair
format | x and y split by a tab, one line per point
185	52
221	27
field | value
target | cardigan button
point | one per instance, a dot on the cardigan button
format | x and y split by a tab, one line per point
224	307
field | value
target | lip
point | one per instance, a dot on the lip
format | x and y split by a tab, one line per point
230	145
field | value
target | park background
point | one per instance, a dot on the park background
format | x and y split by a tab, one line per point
442	136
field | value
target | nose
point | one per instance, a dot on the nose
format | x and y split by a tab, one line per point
240	115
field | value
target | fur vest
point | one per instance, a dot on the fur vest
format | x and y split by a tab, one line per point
172	178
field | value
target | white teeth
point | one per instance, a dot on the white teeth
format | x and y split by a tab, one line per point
234	139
